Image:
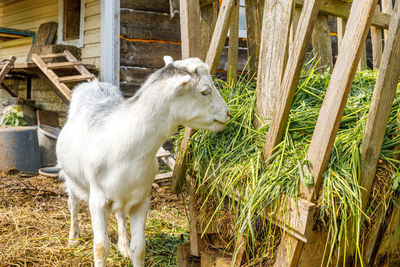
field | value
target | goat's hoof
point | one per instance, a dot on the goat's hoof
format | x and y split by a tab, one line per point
73	243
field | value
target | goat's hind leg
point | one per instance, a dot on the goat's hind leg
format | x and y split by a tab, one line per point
73	206
123	239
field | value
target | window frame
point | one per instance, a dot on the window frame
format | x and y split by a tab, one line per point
60	32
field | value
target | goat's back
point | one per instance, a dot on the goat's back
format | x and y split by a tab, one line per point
93	100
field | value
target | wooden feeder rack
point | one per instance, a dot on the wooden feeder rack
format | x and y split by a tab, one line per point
298	23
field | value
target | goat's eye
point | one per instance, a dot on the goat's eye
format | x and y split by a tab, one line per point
206	91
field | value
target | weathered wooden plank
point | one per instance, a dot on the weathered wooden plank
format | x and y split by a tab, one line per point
161	6
291	75
321	42
387	7
150	25
233	45
273	55
191	46
190	28
208	19
147	54
219	35
75	78
382	100
376	39
338	90
253	30
341	9
46	35
8	64
341	29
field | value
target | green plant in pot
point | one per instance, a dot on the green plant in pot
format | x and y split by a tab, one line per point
12	116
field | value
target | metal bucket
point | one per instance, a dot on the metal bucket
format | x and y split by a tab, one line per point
19	149
47	137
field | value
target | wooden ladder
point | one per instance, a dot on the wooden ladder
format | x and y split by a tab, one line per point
6	65
59	82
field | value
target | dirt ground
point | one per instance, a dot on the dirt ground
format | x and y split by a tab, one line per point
34	225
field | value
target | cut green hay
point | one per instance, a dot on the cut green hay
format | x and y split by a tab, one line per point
231	174
35	221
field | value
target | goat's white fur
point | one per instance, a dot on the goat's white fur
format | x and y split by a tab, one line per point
107	147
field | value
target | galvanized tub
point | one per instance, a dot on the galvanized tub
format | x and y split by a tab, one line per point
19	149
47	137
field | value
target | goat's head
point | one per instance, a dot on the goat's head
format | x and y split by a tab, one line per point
196	102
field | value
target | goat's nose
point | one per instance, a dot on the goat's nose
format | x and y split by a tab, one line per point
228	113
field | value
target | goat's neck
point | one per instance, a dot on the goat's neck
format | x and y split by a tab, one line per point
148	124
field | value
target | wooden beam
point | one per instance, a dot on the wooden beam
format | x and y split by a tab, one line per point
321	42
253	31
220	32
8	64
291	75
376	39
341	9
382	101
190	28
341	29
233	48
273	55
338	90
387	7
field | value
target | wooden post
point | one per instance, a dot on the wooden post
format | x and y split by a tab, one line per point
293	27
253	30
382	101
338	91
191	47
208	18
387	7
376	39
321	42
233	48
212	59
341	29
291	75
273	53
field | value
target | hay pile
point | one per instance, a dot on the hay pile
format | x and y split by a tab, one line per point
34	226
228	165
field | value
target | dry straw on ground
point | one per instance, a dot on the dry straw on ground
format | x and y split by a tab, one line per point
34	225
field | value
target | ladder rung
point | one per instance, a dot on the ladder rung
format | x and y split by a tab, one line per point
75	78
61	65
51	55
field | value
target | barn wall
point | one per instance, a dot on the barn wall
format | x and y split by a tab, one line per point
29	15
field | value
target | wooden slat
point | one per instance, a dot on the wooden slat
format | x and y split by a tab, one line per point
190	28
44	56
253	30
341	28
387	7
62	88
161	153
219	35
376	39
233	45
191	46
163	176
291	76
273	55
338	90
79	67
322	44
382	101
341	9
61	65
75	78
208	19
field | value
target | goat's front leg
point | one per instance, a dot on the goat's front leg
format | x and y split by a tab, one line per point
73	206
137	217
99	214
123	240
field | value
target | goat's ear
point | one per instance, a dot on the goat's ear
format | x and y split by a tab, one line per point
202	70
182	83
168	60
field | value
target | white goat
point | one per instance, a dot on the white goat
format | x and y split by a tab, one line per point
108	146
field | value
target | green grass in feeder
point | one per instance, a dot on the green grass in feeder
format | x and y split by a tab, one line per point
229	163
